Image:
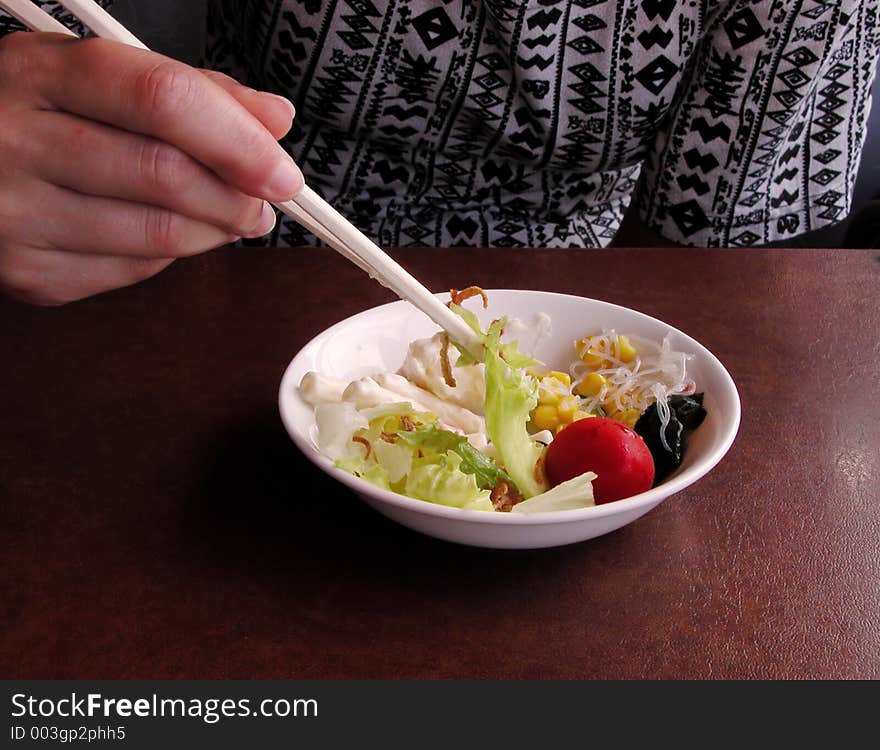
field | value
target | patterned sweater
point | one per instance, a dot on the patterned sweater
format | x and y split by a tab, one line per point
534	122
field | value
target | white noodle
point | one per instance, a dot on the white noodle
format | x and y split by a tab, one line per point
655	374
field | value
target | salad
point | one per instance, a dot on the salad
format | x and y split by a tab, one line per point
506	433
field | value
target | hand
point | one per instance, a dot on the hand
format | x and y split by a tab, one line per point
115	161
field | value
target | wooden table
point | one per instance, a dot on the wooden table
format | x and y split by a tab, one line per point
156	522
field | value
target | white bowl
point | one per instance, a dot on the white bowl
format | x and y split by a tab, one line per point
376	341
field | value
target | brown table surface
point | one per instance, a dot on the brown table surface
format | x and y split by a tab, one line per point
156	521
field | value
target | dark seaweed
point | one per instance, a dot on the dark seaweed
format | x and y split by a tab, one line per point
686	413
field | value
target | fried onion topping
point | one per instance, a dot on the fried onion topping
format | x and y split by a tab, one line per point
504	497
458	297
364	442
445	364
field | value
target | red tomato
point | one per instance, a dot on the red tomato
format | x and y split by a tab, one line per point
618	455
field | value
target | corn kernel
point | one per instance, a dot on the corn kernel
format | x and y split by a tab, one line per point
592	358
562	377
626	352
579	414
591	385
628	416
545	417
548	395
566	408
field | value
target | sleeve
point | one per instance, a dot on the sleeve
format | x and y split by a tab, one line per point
8	25
764	139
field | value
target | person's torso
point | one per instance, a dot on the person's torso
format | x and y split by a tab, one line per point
504	122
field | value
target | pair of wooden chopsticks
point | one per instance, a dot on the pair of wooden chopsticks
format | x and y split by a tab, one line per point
308	208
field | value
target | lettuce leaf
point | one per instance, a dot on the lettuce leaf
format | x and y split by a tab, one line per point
484	503
473	322
510	397
427	463
570	495
431	438
509	350
374	474
443	482
397	409
336	424
395	458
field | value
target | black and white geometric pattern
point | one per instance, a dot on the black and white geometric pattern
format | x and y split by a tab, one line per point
764	141
8	25
531	122
514	123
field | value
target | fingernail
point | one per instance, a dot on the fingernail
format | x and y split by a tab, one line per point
266	223
284	100
285	181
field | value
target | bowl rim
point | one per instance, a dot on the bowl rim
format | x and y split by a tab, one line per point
648	498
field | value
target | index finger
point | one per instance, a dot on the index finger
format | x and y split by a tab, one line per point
146	93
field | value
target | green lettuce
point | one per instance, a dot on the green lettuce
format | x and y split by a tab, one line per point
473	322
509	351
510	397
395	458
483	503
570	495
426	463
442	481
374	473
430	438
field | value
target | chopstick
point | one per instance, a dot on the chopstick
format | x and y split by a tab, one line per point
30	15
308	208
383	268
99	21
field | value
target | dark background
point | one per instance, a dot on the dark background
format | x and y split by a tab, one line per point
173	27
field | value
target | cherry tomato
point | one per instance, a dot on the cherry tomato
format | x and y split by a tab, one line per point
618	455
